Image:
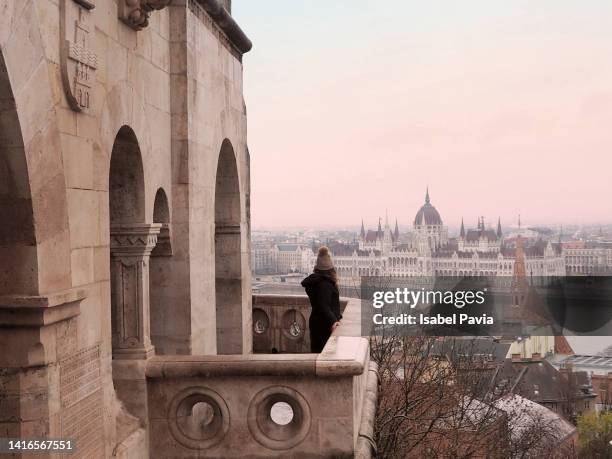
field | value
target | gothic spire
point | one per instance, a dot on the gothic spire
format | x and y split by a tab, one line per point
462	232
362	229
396	230
379	225
499	230
427	195
519	283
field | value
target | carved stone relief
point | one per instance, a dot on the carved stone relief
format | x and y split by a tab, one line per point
78	59
135	13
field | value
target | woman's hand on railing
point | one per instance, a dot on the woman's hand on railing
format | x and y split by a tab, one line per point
334	326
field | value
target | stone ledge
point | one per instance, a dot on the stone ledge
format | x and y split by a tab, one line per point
350	325
346	351
217	12
279	300
40	310
342	356
231	365
42	301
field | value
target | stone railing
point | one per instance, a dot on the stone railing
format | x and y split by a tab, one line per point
280	323
266	405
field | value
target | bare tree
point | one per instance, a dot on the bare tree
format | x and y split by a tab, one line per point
443	398
440	397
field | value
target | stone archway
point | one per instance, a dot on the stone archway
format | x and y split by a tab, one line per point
228	256
131	243
163	322
18	255
126	180
29	126
161	210
35	250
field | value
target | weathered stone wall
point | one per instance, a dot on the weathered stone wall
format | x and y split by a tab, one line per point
177	85
322	423
208	108
31	147
267	405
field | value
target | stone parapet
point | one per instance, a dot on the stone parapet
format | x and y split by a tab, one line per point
224	405
163	367
343	356
280	323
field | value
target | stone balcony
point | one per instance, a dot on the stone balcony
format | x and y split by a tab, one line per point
280	323
285	404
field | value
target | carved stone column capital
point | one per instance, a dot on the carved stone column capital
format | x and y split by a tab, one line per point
135	13
131	246
133	240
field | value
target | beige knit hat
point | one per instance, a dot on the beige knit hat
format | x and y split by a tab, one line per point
324	261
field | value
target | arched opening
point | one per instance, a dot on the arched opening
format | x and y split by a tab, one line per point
126	180
131	243
18	256
161	210
228	264
162	319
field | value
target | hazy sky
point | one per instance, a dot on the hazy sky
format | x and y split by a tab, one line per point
500	106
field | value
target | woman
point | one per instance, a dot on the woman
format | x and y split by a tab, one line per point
322	289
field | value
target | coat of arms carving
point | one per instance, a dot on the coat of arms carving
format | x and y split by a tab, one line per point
78	59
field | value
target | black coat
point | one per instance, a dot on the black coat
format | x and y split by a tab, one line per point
325	302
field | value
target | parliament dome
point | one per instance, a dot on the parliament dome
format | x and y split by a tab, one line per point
427	214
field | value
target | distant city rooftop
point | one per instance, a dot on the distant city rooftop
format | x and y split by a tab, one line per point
589	360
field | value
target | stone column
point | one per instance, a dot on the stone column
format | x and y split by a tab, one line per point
131	246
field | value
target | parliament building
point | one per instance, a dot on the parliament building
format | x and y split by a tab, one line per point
427	250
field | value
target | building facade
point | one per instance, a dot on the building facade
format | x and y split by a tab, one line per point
126	313
427	250
282	258
124	172
588	257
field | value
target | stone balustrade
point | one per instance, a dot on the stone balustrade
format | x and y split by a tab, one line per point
271	405
280	323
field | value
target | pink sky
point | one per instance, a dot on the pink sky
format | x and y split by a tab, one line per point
499	108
